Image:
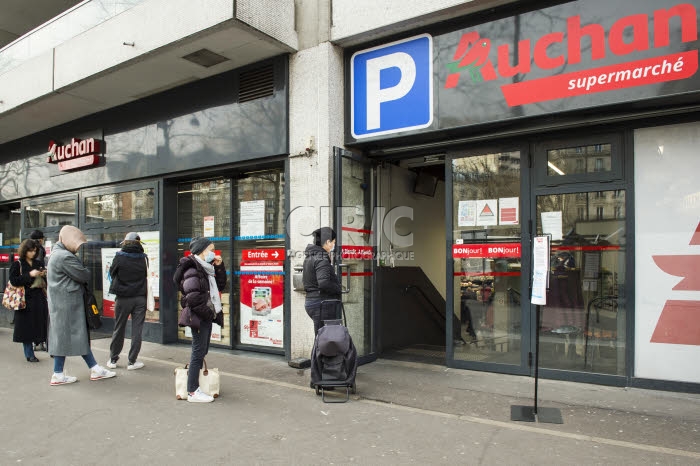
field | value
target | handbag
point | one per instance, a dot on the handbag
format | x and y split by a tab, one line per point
150	299
13	297
92	312
209	381
38	282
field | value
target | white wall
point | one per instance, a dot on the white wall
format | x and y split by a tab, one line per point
667	213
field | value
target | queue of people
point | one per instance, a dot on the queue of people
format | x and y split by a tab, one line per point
200	277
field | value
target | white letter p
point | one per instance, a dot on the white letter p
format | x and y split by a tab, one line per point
376	95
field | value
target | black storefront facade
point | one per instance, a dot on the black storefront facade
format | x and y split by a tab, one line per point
577	120
204	159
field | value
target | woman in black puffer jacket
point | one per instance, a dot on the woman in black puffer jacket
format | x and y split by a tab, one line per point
200	277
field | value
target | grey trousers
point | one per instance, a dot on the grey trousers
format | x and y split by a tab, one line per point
200	348
134	306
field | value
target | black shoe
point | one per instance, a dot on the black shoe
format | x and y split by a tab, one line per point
33	359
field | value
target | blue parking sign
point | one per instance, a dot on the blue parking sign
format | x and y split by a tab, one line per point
391	87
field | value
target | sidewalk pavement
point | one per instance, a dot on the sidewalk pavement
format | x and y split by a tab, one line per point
267	414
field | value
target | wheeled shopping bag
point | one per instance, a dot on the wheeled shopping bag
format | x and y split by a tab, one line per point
334	356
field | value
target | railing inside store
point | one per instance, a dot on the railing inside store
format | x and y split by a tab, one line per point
61	28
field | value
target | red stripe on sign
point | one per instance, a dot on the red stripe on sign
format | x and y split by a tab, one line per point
508	214
358	274
679	324
367	232
485	274
606	78
586	248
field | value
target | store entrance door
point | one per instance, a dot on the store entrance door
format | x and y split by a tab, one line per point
353	221
580	200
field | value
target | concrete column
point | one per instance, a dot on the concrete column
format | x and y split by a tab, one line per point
315	123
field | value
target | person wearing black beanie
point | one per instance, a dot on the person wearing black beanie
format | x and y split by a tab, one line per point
200	277
320	281
199	244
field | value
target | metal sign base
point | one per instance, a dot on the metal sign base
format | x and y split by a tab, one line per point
528	414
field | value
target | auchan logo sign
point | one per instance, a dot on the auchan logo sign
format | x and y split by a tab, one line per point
475	57
79	153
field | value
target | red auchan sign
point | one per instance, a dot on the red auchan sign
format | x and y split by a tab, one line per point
486	251
272	254
78	154
628	35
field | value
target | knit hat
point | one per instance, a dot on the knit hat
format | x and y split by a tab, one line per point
199	244
322	235
37	234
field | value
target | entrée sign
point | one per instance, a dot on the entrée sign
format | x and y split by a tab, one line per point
78	154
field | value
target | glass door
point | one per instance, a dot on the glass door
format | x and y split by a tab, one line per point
581	201
487	283
355	246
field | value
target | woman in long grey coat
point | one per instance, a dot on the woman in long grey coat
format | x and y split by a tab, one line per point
68	332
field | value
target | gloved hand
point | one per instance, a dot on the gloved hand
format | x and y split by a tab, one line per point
219	319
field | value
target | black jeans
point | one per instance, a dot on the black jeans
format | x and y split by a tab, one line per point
313	309
200	348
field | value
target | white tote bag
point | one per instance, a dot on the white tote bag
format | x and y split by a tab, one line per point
208	381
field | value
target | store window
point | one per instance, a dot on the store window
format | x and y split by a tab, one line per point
129	205
98	254
487	258
10	215
204	209
51	214
259	285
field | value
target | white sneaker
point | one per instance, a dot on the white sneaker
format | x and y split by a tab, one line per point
112	365
134	366
199	397
62	379
98	372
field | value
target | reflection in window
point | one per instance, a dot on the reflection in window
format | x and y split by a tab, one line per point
583	322
265	186
486	193
569	161
129	205
10	215
50	214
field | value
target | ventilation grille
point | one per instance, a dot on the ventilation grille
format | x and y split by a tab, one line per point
256	83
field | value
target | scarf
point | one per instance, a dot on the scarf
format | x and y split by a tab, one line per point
213	289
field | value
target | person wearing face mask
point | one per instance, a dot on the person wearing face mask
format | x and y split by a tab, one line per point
200	277
68	332
320	281
129	284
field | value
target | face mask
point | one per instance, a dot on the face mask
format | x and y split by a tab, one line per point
210	256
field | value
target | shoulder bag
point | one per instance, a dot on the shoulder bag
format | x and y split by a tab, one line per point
13	297
92	312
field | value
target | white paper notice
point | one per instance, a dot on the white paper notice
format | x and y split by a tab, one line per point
151	246
466	216
209	226
591	264
486	210
508	210
540	269
252	218
551	224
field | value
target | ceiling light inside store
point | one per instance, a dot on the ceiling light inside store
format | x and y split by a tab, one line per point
555	168
205	58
